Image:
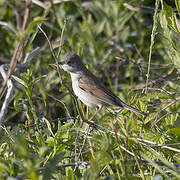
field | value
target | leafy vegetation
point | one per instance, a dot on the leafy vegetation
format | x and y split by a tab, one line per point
133	47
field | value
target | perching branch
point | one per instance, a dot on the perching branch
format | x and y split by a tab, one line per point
144	142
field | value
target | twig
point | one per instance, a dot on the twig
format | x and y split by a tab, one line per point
19	48
171	103
152	41
12	64
69	116
77	157
56	58
4	128
79	112
77	136
26	14
8	94
40	4
141	141
61	39
10	83
156	89
162	117
112	132
28	56
7	25
52	51
81	164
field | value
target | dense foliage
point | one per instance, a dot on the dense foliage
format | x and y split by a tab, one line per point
133	47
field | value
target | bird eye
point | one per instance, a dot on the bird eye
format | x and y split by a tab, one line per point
69	62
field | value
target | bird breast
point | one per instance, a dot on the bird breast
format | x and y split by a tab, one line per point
85	97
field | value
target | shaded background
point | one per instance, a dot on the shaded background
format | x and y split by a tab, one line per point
113	38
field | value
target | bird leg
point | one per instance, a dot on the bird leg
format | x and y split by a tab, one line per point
94	115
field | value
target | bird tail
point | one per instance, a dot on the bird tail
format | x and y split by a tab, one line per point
134	109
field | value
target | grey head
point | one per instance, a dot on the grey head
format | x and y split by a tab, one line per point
71	62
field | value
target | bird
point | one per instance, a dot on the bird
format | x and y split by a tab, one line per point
88	88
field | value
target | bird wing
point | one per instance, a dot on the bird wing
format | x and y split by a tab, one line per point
90	84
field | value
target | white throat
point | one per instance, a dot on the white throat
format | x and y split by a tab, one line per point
75	83
74	76
77	90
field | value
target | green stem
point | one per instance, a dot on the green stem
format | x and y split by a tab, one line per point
152	40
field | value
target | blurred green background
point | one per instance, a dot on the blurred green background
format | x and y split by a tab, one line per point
122	42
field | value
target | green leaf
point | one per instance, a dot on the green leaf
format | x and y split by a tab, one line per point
154	164
170	119
49	126
155	136
178	6
19	80
173	49
37	20
170	17
70	174
174	131
3	166
149	118
103	158
74	38
21	103
33	24
50	141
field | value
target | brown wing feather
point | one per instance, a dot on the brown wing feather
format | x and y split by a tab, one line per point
93	86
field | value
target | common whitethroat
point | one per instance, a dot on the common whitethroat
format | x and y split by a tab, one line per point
88	88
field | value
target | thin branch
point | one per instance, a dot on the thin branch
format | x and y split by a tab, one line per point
156	121
12	64
52	51
69	116
141	141
5	129
19	48
77	157
156	89
26	15
61	39
168	105
55	57
155	17
7	98
10	83
80	164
